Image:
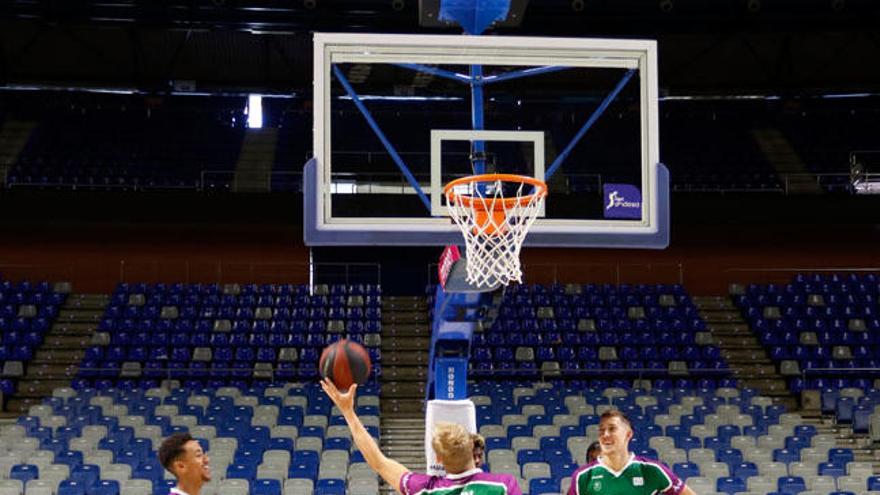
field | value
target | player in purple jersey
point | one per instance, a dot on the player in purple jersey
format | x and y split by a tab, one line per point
452	444
617	471
183	457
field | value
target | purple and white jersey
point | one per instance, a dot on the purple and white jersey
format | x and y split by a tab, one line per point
475	481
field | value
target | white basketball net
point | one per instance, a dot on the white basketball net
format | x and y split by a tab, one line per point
493	241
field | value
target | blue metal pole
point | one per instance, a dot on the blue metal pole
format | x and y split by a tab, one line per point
592	120
455	76
478	148
381	135
522	73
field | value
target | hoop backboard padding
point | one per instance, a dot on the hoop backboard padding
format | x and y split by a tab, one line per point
461	412
494	213
587	108
457	281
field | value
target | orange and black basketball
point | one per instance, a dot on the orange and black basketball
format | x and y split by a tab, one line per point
345	362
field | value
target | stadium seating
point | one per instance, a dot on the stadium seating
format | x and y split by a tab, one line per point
27	311
111	438
596	330
126	142
221	335
751	449
822	326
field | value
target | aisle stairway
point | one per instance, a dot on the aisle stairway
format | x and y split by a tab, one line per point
748	359
253	171
405	340
778	150
14	135
56	361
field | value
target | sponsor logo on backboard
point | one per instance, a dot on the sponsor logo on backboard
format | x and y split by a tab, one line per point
622	201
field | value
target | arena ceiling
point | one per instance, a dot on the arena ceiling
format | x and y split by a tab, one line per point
706	46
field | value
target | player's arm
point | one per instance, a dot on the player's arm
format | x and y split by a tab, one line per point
687	491
390	470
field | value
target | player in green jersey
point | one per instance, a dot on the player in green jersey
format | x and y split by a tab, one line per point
618	471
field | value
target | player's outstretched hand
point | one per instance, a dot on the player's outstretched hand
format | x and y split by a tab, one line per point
344	401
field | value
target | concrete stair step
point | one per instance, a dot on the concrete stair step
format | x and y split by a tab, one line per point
79	315
60	342
405	373
51	371
767	386
729	329
404	317
39	388
17	406
738	342
713	303
403	405
409	344
404	358
756	370
60	356
746	356
94	302
402	330
73	328
722	316
404	303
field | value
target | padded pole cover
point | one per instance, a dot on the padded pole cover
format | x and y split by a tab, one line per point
462	412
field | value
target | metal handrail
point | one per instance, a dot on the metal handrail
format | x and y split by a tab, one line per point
218	271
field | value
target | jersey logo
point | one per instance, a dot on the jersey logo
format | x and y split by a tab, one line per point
638	481
597	485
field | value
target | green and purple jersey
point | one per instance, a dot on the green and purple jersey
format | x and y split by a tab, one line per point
640	476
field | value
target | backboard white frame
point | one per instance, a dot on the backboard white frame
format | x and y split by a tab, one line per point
331	48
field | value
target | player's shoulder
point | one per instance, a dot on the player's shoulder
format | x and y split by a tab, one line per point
508	480
653	466
648	462
585	469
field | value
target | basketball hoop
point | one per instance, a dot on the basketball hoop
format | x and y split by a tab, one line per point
494	212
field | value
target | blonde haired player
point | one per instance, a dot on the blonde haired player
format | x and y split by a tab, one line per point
452	444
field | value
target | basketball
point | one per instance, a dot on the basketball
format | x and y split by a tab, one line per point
345	362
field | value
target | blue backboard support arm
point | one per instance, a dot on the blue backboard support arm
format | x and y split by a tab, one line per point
455	76
586	127
516	74
381	135
478	148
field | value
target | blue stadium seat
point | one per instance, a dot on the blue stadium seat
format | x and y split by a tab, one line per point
330	487
841	456
87	474
730	485
685	470
265	487
68	487
744	470
786	456
791	485
831	469
529	455
24	473
107	487
539	486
